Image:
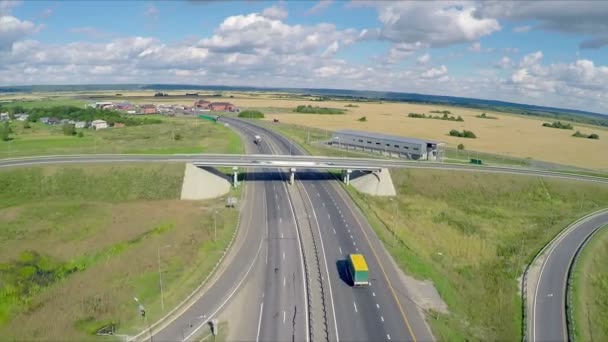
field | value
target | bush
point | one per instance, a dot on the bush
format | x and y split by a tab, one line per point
177	136
578	134
26	125
251	114
317	110
460	146
416	115
5	132
593	136
80	134
463	134
351	105
484	116
362	119
436	117
558	124
68	129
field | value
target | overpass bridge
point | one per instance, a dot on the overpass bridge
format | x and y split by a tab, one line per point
291	162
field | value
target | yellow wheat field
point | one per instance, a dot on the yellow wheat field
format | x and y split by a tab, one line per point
509	135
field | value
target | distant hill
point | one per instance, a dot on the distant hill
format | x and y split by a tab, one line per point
354	95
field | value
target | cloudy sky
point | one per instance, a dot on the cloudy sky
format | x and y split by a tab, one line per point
545	53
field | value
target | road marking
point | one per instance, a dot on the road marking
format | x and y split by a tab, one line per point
340	249
266	257
283	255
281	235
351	236
354	243
334	230
318	195
323	203
257	337
283	281
377	306
374	294
357	249
283	316
328	215
382	318
355	305
280	220
349	231
388	336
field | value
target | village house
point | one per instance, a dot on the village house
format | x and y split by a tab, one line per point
148	109
22	116
80	124
4	117
202	104
222	107
99	124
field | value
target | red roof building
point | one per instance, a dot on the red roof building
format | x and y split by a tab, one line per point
148	109
222	107
202	104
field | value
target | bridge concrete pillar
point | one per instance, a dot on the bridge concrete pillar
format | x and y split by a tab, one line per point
347	173
235	180
292	175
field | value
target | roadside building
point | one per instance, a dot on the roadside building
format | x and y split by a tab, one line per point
389	145
148	109
80	124
222	107
44	120
119	124
22	116
99	124
53	121
202	104
4	117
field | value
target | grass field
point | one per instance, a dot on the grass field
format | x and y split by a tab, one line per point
197	136
79	242
472	235
46	102
590	292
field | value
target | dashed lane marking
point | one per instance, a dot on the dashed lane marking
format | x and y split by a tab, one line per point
374	294
334	231
355	305
377	305
283	255
382	318
388	336
283	317
340	249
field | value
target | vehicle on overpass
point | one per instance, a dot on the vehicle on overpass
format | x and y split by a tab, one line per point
358	270
257	139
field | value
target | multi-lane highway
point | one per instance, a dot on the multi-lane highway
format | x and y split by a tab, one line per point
268	253
548	304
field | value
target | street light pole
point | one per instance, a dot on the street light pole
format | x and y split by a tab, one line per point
160	281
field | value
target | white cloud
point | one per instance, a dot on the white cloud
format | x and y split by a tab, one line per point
278	12
6	6
331	50
90	32
400	51
475	47
424	59
531	59
522	29
586	18
435	72
433	23
152	12
13	29
504	63
319	7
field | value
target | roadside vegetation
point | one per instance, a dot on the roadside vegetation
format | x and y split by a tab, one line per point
472	234
578	134
350	105
173	135
317	110
79	242
436	117
362	119
251	114
463	134
590	290
558	124
485	116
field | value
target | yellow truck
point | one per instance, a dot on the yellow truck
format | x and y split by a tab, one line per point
358	270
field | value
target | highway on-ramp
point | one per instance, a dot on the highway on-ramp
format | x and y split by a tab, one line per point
548	318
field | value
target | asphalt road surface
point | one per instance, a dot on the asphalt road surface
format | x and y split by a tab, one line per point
548	320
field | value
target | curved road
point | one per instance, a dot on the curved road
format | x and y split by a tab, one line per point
548	318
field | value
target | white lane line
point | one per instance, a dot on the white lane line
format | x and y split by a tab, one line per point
351	236
382	318
257	337
357	249
334	230
374	294
283	255
388	336
354	243
355	305
280	220
283	281
318	195
281	235
340	249
349	231
328	215
283	316
377	305
266	257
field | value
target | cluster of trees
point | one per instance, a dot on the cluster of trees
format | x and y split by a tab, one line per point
436	117
351	105
578	134
484	116
80	114
558	124
251	114
317	110
463	134
446	112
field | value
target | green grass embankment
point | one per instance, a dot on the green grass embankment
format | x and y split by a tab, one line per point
590	290
472	235
174	135
79	242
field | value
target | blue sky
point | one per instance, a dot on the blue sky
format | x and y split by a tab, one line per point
548	53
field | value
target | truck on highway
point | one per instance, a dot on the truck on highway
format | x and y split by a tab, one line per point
257	139
358	270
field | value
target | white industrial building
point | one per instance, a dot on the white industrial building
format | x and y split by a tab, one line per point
389	145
